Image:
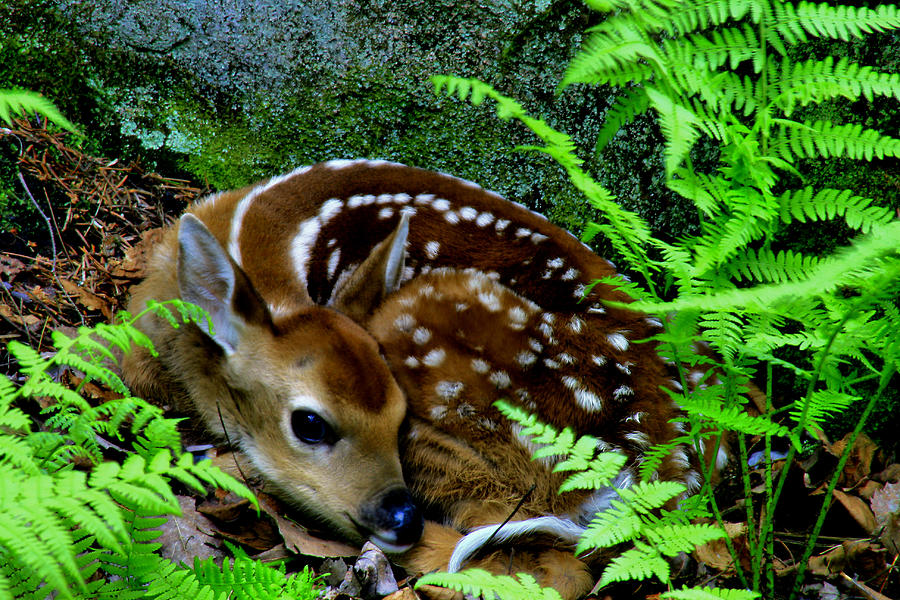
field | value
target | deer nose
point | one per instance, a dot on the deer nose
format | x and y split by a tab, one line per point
397	520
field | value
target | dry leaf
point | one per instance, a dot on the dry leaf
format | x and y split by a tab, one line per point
86	298
859	463
859	556
715	553
132	266
10	266
405	593
188	536
298	539
886	508
28	321
858	509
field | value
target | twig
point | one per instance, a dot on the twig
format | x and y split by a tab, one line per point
53	246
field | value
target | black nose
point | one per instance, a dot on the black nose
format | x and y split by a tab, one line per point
397	515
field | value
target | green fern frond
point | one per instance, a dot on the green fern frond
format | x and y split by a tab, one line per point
670	539
821	404
481	584
807	205
822	139
764	266
14	102
842	22
709	594
641	562
705	405
624	110
679	127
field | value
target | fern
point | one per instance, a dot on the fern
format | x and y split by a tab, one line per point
64	531
481	584
14	102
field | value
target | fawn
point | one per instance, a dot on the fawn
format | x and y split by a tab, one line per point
366	317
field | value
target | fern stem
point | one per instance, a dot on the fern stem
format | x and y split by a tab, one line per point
886	375
770	535
801	422
754	540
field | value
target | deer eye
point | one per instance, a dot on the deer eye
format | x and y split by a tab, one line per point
310	428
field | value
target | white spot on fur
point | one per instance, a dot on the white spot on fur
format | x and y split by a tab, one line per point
653	322
579	291
465	410
537	238
576	325
435	357
588	400
546	329
448	390
525	358
438	411
638	438
501	224
523	232
386	213
499	379
384	199
423	199
441	204
565	358
597	309
517	315
490	301
598	360
411	361
409	211
680	457
461	306
569	275
551	364
676	385
333	261
484	219
404	322
618	341
555	263
408	273
622	391
625	368
421	335
635	417
535	345
451	217
480	366
548	318
467	213
431	249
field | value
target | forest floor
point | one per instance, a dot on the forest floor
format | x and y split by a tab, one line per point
101	217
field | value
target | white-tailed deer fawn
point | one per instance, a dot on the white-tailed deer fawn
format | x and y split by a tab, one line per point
333	284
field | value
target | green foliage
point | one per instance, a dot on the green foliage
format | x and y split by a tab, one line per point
88	531
481	584
14	102
720	73
242	579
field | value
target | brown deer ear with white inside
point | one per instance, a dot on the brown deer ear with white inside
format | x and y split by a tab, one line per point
376	277
209	278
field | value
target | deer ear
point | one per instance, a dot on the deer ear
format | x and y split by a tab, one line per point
376	277
209	278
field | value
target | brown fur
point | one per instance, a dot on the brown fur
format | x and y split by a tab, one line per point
491	305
